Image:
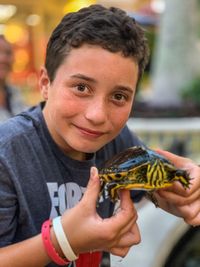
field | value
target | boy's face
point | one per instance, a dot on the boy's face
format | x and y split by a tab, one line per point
90	99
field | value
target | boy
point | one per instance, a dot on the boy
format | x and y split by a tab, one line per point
94	60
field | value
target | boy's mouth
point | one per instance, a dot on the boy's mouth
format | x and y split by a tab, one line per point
90	132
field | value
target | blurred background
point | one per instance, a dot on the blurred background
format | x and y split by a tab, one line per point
170	87
27	25
172	28
166	112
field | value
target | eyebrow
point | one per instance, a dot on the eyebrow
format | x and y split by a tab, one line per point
126	88
90	79
83	77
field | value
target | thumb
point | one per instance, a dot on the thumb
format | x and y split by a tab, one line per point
92	191
178	161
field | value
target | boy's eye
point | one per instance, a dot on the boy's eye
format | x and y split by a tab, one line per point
81	87
119	97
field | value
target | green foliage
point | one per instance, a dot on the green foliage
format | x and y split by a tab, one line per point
191	92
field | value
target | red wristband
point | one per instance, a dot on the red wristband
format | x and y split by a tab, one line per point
52	253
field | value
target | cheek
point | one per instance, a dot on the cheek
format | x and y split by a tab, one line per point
120	119
69	107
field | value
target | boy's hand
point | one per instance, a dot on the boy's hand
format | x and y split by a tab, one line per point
87	231
182	202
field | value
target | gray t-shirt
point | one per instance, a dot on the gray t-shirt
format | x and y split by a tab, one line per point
37	181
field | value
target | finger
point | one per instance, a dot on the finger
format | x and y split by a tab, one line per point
130	238
126	212
126	215
195	221
121	252
190	213
179	200
92	191
128	228
178	190
126	203
179	162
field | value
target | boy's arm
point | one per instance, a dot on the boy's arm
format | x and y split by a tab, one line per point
30	253
85	230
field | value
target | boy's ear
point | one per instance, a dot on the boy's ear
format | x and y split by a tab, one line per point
44	83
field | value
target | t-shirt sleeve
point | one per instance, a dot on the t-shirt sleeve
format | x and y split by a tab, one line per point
8	208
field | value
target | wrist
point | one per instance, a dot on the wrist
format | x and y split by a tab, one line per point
62	239
49	246
55	243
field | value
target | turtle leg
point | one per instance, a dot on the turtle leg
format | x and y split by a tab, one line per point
112	191
182	177
113	188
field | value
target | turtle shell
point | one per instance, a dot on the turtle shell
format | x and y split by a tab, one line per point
130	158
139	168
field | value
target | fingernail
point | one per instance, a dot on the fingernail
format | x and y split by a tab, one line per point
93	171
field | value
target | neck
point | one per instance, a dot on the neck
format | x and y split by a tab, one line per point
76	155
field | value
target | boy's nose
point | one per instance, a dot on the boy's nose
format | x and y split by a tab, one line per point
97	112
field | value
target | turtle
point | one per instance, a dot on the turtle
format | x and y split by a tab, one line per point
139	168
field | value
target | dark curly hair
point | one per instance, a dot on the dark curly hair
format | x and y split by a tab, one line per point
111	28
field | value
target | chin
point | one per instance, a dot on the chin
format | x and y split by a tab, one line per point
90	149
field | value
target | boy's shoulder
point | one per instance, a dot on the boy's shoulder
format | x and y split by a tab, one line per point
19	125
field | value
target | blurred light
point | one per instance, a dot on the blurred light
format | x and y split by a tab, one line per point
2	28
7	11
21	60
75	5
13	33
158	6
33	20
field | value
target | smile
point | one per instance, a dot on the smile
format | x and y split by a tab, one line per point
89	132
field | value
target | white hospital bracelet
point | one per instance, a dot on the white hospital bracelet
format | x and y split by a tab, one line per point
62	239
